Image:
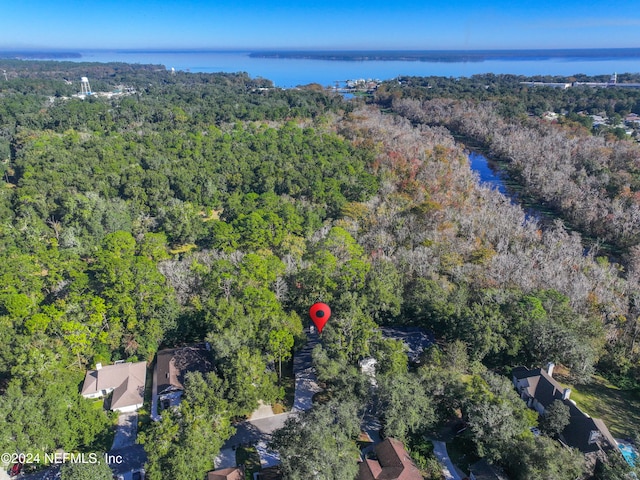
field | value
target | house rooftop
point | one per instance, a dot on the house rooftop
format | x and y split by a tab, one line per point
126	380
416	339
173	365
583	432
393	463
235	473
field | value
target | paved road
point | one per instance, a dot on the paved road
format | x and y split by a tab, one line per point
122	461
253	431
47	474
448	468
128	459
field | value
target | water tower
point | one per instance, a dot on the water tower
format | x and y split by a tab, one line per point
85	88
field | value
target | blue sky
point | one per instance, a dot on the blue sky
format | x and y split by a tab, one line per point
356	24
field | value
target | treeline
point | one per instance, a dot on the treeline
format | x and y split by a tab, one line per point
92	183
474	267
589	181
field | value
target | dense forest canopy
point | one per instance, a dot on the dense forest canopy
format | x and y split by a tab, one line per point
215	207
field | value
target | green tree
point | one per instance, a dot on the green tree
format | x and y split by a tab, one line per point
199	426
391	355
320	443
384	290
350	334
614	467
248	381
496	415
541	458
140	304
404	405
86	471
555	418
44	414
280	345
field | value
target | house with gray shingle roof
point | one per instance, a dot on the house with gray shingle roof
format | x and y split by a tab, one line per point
539	389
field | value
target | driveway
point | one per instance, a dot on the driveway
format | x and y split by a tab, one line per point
251	432
154	396
306	379
123	461
448	468
226	458
126	431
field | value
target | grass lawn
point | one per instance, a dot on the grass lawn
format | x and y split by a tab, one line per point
620	409
248	456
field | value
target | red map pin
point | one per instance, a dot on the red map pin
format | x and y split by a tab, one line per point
319	313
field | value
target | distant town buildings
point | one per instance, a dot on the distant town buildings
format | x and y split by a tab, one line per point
612	83
85	90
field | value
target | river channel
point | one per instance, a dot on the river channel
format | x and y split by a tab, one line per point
490	173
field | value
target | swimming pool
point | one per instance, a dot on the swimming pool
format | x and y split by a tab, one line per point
629	452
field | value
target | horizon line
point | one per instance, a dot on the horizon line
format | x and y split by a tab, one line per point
298	49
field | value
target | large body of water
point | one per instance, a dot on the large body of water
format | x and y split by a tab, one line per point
290	72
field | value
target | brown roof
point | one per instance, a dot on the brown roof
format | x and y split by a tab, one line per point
394	463
127	380
236	473
369	470
173	364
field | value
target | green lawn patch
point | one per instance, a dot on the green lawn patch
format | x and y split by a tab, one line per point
620	409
